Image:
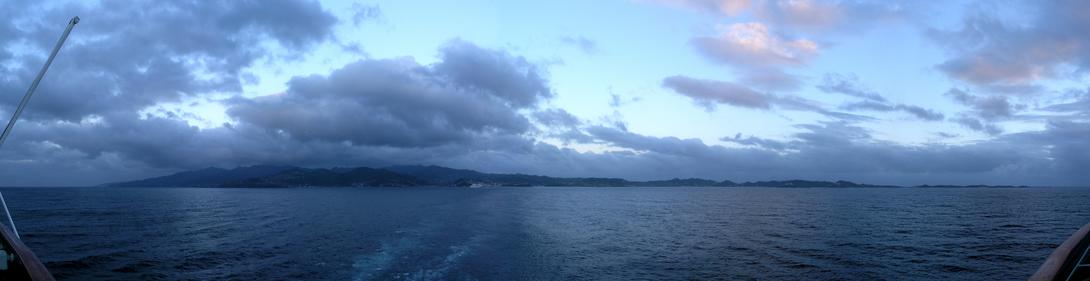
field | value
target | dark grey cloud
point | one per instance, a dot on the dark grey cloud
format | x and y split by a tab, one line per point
708	93
556	118
986	108
44	163
475	108
847	84
757	142
978	125
294	23
1015	90
920	112
585	44
127	55
123	57
985	111
512	79
134	147
472	93
1065	142
989	51
946	135
7	32
839	150
831	150
1079	107
917	111
770	79
666	145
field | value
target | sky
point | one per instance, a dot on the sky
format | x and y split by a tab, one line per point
881	92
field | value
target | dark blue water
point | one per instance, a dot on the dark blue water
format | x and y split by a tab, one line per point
545	233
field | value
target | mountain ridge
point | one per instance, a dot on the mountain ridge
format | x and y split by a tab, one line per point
431	175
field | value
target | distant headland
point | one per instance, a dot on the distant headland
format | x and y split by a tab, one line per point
409	176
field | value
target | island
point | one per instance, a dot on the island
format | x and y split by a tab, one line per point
418	175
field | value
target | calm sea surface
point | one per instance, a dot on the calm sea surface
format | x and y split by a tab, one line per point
545	233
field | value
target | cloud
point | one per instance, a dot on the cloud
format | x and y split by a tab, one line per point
918	112
362	13
828	150
585	44
708	93
986	107
978	125
803	15
1066	145
775	38
989	51
472	108
758	54
754	45
838	150
770	78
727	7
984	111
804	12
828	16
134	54
471	93
556	118
1079	107
7	30
756	142
472	104
616	101
946	135
847	85
512	79
872	101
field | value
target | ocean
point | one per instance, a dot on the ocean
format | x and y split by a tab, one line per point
546	233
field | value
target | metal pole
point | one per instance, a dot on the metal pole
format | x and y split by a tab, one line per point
26	98
7	212
29	92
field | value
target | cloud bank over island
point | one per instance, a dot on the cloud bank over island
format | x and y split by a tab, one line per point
147	88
